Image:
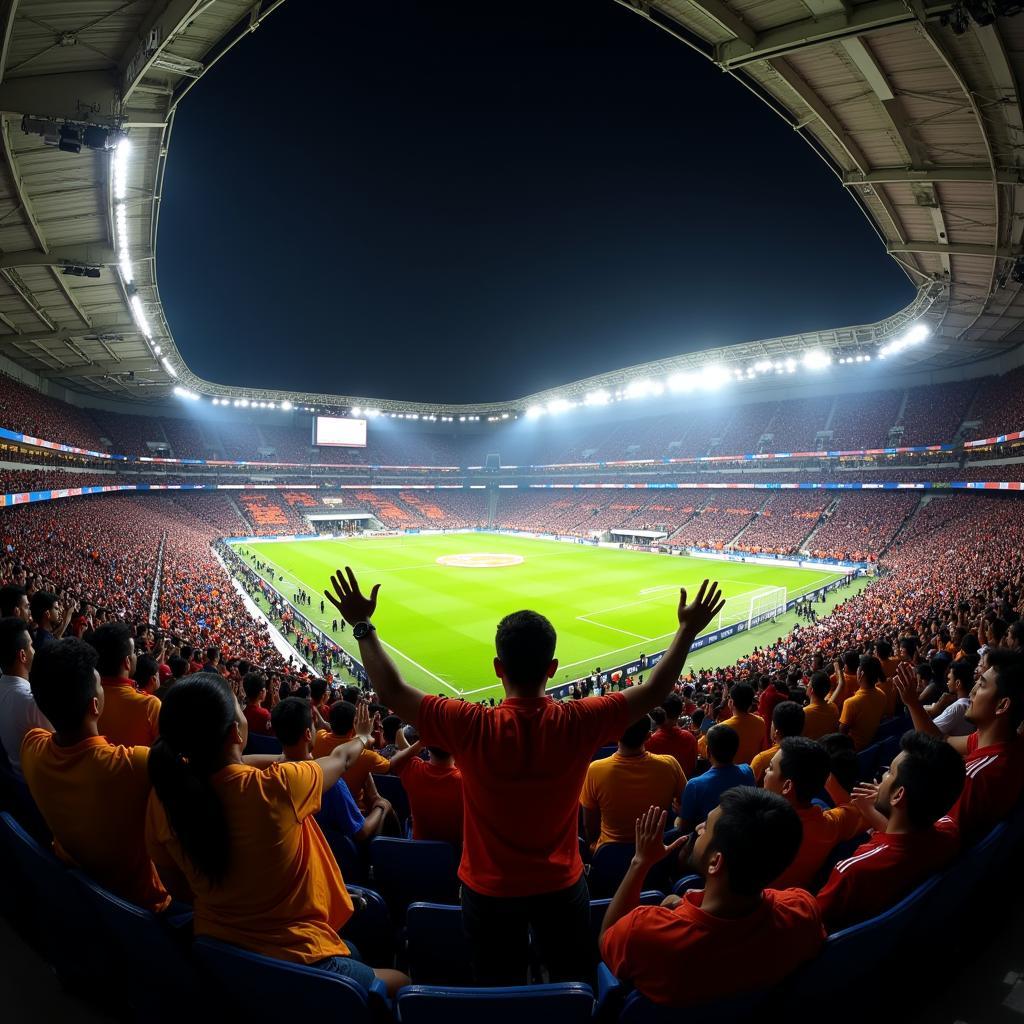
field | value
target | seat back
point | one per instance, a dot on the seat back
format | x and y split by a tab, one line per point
260	988
348	855
390	787
638	1010
262	744
370	928
437	946
566	1003
609	864
407	871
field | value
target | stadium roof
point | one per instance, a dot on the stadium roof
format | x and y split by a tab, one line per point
915	108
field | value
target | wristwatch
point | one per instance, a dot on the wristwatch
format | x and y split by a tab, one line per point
363	629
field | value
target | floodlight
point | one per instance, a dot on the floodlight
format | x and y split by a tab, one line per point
167	366
713	377
681	382
532	413
286	405
356	411
557	405
140	315
816	359
599	397
916	334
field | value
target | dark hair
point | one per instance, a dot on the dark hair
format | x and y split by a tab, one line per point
1009	669
40	603
637	733
872	669
253	685
742	696
1015	631
10	598
178	667
932	774
697	718
673	706
806	764
63	682
788	718
723	742
525	644
342	716
963	672
842	759
883	648
113	643
821	685
909	644
658	716
14	637
291	718
352	694
390	726
317	689
758	835
212	654
438	754
196	718
145	668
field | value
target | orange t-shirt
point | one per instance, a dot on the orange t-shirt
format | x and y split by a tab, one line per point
93	797
821	718
683	956
847	690
861	714
751	731
624	787
760	763
822	831
283	895
435	799
129	718
324	742
523	764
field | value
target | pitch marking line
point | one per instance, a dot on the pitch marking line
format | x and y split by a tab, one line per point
603	625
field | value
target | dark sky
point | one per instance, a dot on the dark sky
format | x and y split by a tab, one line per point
466	202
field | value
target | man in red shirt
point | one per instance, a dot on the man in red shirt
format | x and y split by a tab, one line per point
912	839
994	754
770	696
434	789
668	738
684	952
523	766
258	717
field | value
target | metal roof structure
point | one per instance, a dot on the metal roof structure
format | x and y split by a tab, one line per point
915	107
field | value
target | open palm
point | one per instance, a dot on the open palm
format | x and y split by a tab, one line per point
349	600
695	616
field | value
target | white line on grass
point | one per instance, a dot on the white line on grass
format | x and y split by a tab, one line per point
604	625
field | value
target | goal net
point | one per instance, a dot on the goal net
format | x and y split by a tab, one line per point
754	607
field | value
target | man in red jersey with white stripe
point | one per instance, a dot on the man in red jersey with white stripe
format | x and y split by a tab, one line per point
912	839
994	752
523	765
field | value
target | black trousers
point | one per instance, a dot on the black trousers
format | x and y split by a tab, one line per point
498	929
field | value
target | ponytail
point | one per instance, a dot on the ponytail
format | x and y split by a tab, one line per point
195	719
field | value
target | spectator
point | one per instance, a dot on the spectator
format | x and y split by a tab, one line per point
283	896
435	793
669	738
844	679
771	694
994	753
684	952
14	603
523	766
703	793
178	667
909	843
92	793
749	727
862	710
357	777
619	789
46	615
128	717
798	772
18	709
147	674
257	717
821	716
212	663
949	712
292	721
787	720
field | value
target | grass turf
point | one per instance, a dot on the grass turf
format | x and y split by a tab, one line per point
607	605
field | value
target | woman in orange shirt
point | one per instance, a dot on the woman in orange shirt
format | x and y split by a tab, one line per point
243	839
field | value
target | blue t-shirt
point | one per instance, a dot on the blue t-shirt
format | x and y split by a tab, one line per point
703	792
339	810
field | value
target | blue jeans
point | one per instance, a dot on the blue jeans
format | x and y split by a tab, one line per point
348	967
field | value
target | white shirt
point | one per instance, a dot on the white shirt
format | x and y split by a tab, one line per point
18	714
953	721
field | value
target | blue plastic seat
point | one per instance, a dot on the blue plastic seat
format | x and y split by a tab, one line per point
565	1003
262	744
370	928
436	945
408	871
609	864
351	859
604	752
390	787
260	988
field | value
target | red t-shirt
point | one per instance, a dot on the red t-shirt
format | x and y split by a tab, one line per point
995	778
684	957
884	870
258	718
766	705
523	766
435	799
682	745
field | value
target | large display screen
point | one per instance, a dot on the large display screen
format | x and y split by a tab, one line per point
340	432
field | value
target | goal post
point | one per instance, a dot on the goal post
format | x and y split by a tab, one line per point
753	607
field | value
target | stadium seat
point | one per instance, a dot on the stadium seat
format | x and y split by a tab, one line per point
686	883
567	1003
605	752
608	866
598	908
257	744
390	787
405	871
15	798
259	988
153	968
347	853
370	927
437	947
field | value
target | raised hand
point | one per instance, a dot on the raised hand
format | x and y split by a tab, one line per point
348	599
695	616
650	837
363	726
905	682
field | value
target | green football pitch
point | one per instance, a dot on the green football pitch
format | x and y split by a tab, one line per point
442	596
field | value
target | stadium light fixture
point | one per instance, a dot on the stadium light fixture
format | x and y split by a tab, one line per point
185	393
167	366
356	411
599	397
816	359
532	413
286	405
557	405
713	377
139	315
119	168
679	382
504	415
244	403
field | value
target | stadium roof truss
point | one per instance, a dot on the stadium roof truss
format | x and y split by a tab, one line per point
915	107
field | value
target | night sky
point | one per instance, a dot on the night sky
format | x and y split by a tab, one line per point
466	202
